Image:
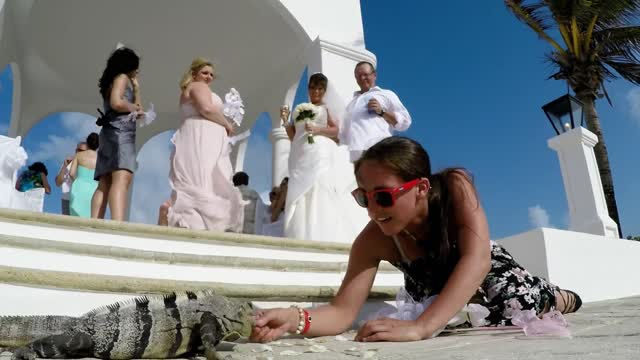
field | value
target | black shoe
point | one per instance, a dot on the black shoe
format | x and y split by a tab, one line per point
572	301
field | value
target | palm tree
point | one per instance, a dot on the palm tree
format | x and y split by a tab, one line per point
599	42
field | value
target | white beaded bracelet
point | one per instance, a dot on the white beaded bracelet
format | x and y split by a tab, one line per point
300	319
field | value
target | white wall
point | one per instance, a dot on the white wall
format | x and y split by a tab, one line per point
334	20
595	267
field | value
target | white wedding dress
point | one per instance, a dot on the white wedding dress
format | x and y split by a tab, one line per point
319	205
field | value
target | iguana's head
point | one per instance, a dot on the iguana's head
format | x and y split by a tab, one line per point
235	314
242	323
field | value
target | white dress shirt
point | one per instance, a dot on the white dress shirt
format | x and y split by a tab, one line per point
363	128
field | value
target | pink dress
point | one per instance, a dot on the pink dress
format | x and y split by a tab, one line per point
203	195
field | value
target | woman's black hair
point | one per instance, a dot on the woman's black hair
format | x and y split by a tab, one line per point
122	61
318	80
409	161
93	141
240	178
39	167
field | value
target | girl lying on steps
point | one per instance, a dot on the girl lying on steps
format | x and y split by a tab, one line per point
433	228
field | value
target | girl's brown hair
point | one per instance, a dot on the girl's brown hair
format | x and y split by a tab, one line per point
409	161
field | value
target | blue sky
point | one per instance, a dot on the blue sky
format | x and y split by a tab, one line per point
473	79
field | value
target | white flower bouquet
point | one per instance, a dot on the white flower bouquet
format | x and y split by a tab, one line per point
143	118
148	116
306	112
233	108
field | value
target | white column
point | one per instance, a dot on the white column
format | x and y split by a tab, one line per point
587	206
279	138
238	154
281	147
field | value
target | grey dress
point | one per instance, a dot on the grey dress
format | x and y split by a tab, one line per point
117	149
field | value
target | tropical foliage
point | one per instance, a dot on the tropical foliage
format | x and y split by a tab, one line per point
592	41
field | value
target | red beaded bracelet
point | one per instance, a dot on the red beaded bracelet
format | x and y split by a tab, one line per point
304	320
307	321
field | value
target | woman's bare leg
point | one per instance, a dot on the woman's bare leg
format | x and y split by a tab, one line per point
99	198
118	194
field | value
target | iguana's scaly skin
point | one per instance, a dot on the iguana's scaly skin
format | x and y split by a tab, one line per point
156	327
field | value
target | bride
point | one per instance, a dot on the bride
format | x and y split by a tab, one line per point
319	205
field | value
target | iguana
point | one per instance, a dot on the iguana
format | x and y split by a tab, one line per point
157	327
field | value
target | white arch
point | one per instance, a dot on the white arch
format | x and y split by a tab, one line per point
16	98
259	46
254	43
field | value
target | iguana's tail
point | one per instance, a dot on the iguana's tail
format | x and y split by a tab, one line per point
16	331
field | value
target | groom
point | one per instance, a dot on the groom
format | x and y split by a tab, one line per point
373	113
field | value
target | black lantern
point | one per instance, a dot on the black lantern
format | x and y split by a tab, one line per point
564	113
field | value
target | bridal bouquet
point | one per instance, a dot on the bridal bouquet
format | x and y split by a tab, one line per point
233	107
306	112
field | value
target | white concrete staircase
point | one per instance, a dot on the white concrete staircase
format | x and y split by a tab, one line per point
53	264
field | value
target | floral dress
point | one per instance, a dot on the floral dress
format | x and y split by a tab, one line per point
506	288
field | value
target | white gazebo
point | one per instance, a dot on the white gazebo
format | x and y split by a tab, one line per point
57	50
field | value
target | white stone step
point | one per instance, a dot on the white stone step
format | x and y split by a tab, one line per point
77	264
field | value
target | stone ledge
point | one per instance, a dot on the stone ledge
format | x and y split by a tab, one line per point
171	258
72	281
168	233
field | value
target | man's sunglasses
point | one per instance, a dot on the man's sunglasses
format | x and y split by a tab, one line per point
383	197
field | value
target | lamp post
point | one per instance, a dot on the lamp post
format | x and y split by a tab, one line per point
564	113
574	145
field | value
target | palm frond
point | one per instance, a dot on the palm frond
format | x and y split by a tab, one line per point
601	36
622	42
628	70
563	11
534	15
537	16
613	13
606	95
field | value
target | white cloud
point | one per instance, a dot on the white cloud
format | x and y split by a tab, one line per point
539	217
151	182
633	99
55	148
77	126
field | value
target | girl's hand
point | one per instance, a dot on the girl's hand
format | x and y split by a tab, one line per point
271	324
390	330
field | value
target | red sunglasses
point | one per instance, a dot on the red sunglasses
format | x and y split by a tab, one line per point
383	197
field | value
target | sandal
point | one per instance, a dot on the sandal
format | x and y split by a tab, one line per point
572	301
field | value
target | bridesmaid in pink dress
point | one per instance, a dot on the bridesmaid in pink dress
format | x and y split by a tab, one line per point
203	195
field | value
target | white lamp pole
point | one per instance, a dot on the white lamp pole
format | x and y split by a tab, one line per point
587	205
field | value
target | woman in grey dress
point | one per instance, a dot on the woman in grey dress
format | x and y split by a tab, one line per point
117	154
